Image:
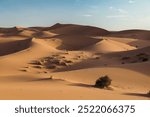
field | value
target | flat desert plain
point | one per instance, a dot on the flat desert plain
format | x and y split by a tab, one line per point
62	62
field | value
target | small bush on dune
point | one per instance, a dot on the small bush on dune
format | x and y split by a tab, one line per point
125	58
143	59
103	82
148	93
51	77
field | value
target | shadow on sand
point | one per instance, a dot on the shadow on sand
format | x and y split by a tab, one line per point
138	94
90	86
45	79
82	85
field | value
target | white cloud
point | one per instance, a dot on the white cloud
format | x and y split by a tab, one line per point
122	11
118	10
131	1
111	7
87	15
117	16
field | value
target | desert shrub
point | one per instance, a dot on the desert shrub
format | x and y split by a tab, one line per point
51	77
63	64
125	58
141	54
68	61
36	62
148	93
23	70
55	61
123	63
134	61
97	57
103	82
143	59
50	66
37	66
136	46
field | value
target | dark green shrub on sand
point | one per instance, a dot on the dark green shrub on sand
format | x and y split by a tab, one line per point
103	82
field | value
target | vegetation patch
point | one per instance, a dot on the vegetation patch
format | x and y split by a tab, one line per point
141	57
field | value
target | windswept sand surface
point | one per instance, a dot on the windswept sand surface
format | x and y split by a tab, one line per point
65	60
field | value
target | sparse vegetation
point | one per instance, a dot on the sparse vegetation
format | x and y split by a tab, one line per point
51	77
50	66
145	59
141	57
55	61
125	58
103	82
51	62
45	72
23	70
68	61
141	54
123	63
97	57
36	62
62	64
148	93
37	66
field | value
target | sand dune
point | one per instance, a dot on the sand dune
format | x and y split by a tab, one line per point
74	42
77	30
138	43
123	59
9	46
64	61
136	34
11	30
26	33
44	34
107	45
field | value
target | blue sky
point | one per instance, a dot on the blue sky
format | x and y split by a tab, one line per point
108	14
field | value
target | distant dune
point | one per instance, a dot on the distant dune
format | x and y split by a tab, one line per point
107	45
136	34
64	61
77	30
9	46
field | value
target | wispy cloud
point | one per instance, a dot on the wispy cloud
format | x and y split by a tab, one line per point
118	10
117	13
131	1
117	16
111	7
122	11
87	15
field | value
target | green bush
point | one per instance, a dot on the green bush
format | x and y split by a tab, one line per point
103	82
